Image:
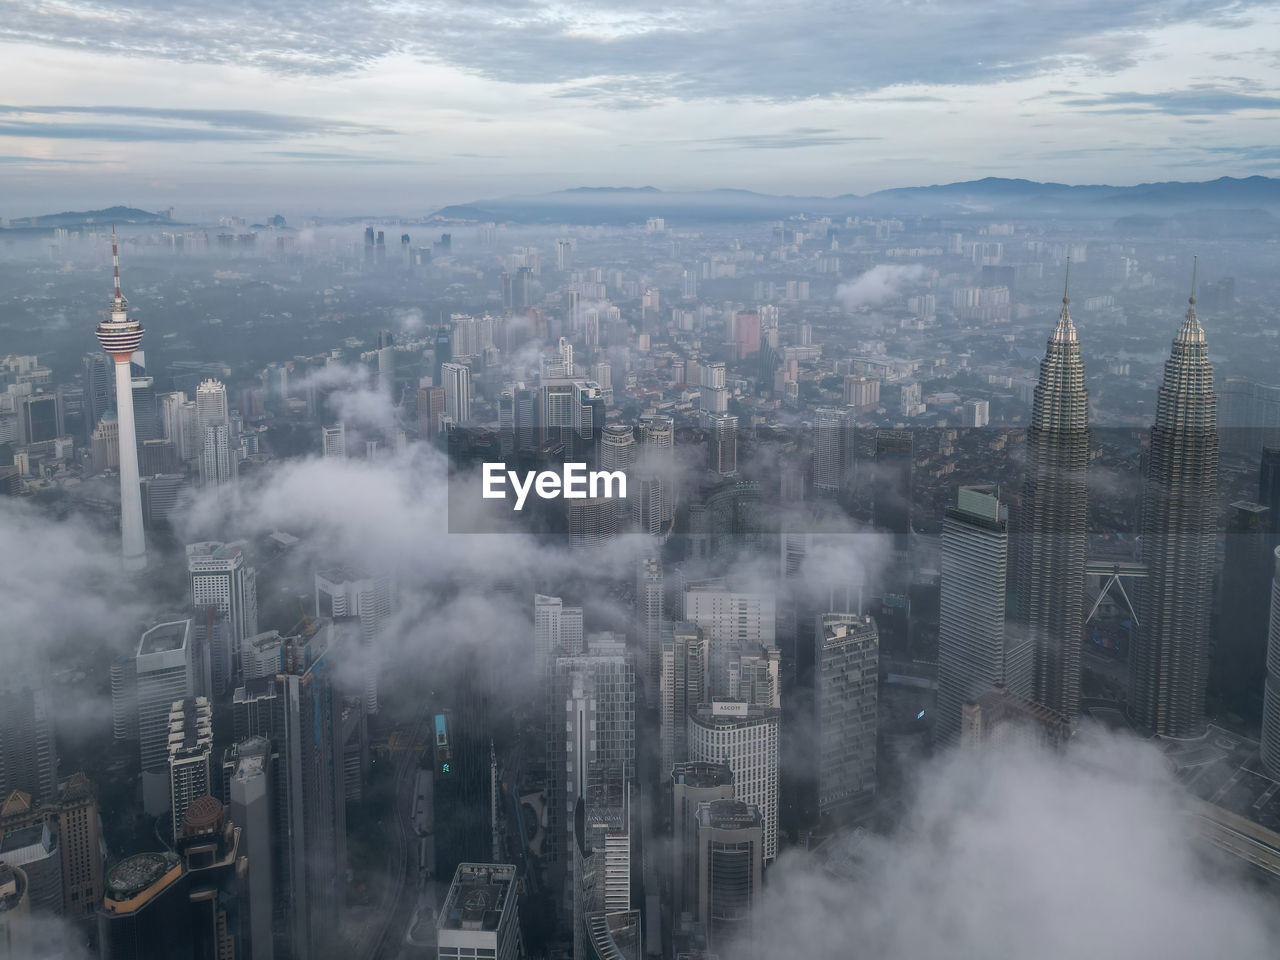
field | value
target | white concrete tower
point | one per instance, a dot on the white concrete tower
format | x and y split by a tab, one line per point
120	336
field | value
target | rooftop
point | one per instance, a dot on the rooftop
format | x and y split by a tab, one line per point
130	877
164	637
700	773
477	896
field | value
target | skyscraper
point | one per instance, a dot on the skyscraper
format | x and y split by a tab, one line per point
683	685
341	592
692	785
165	674
846	675
479	915
28	749
730	869
973	653
722	449
1053	522
99	389
1271	688
120	337
832	450
456	380
249	790
221	578
190	744
649	621
1169	663
1244	606
745	738
333	442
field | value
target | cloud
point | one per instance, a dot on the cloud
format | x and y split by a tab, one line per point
13	159
882	282
1203	100
1014	852
652	51
164	124
788	140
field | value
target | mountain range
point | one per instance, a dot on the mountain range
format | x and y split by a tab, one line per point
987	197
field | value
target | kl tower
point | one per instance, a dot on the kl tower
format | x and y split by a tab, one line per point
120	337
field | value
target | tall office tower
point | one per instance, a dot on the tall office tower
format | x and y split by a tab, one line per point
728	618
464	337
211	404
333	442
522	289
1269	487
592	522
595	696
525	418
306	717
341	592
557	631
456	380
589	414
1168	665
683	685
745	738
105	443
209	844
746	333
1271	686
861	392
847	661
658	431
165	673
479	915
28	749
1053	522
80	830
507	423
650	614
730	870
692	785
190	744
180	425
249	789
144	912
601	878
617	448
146	413
564	253
124	698
722	444
892	479
832	450
1240	647
974	648
261	655
99	389
368	245
380	248
217	462
120	337
221	578
1249	416
754	674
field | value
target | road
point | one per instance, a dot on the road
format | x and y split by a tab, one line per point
383	937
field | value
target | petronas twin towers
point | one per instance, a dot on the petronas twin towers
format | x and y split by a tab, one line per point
1168	664
1052	527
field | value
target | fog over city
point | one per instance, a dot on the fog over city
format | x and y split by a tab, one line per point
586	481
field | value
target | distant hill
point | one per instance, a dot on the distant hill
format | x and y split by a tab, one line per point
78	218
996	196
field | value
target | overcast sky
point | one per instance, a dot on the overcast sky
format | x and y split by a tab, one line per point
399	106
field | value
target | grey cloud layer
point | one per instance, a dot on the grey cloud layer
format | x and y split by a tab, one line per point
642	51
153	124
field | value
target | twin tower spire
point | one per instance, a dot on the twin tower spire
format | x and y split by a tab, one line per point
1169	654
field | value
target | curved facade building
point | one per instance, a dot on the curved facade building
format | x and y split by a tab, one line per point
1053	524
1169	663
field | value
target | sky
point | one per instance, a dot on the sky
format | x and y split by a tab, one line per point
399	106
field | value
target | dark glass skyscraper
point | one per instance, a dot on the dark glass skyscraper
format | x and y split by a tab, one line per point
1169	663
1052	523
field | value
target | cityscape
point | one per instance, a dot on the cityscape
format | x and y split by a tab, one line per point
645	552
